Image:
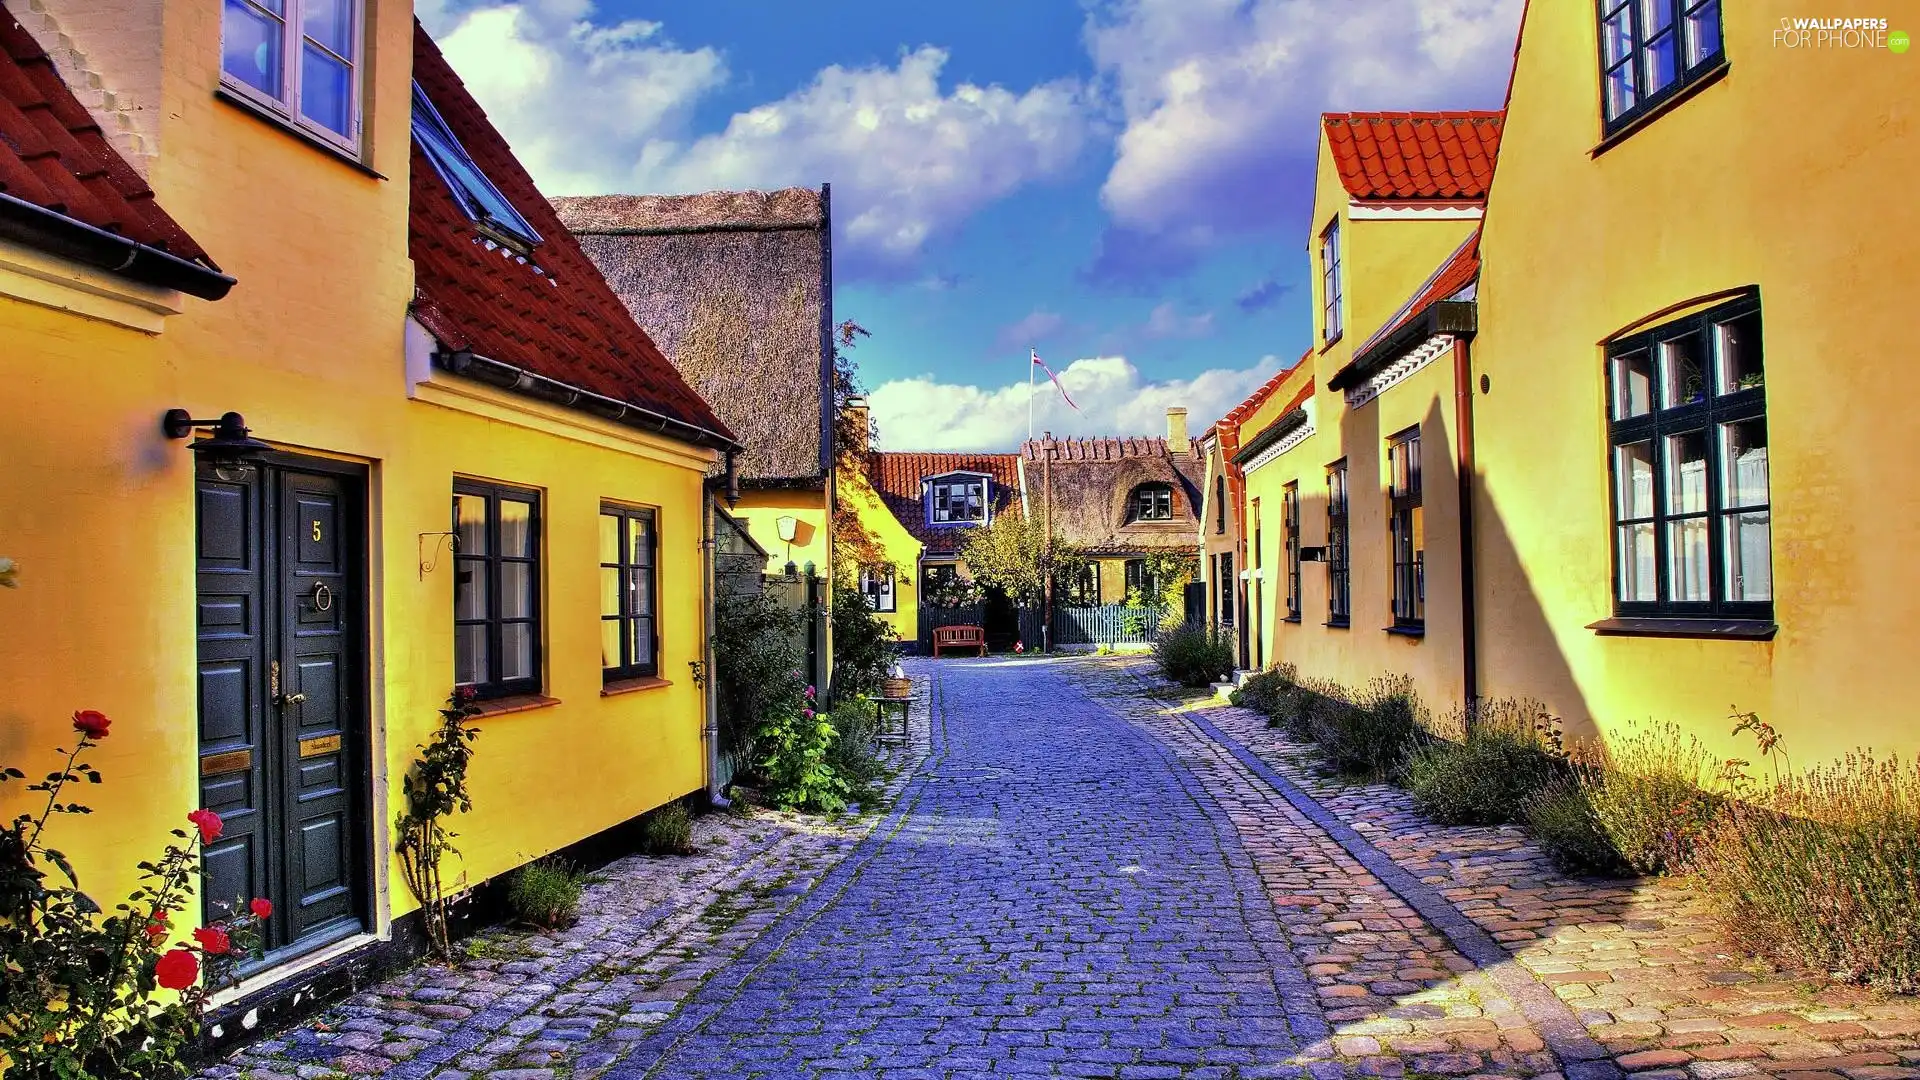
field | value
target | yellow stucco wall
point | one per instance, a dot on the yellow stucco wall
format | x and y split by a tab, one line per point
761	510
98	508
901	548
1793	173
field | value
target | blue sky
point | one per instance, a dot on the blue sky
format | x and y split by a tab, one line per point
1122	184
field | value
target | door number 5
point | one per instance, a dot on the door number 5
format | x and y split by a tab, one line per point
316	528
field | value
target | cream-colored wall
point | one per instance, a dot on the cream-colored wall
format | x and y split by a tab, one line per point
1795	173
761	510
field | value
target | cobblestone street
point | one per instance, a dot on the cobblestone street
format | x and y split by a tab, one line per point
1091	875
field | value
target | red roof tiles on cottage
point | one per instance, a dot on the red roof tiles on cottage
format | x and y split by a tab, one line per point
54	155
1408	156
550	313
897	478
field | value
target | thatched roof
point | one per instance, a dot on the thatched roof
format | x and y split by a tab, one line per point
736	287
898	478
1093	483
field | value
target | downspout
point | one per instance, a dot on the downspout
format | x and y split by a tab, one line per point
1463	422
712	733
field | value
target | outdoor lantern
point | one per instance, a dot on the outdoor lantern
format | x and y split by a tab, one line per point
230	448
788	527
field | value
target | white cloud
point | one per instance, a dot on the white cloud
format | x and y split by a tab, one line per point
1165	321
925	413
595	107
1219	97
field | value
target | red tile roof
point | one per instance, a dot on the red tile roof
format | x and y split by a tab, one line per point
1459	270
552	314
54	155
896	479
1414	156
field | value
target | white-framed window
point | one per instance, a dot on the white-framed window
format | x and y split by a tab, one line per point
298	59
876	584
1330	281
957	500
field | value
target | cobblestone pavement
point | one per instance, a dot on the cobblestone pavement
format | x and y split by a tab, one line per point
1638	965
1092	874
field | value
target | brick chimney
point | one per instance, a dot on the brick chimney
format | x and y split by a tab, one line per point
1177	441
862	430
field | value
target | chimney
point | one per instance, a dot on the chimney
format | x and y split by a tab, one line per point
861	429
1177	441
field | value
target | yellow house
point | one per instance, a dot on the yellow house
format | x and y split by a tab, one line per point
1350	479
466	467
737	289
1694	243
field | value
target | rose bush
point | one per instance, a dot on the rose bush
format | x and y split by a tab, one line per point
81	997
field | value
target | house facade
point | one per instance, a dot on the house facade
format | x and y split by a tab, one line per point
920	507
420	447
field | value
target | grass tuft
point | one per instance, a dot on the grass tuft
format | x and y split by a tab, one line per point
545	894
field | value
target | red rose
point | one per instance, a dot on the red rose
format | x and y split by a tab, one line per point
209	823
157	926
261	908
92	723
177	970
466	694
213	940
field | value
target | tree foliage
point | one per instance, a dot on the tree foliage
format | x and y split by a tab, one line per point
1011	553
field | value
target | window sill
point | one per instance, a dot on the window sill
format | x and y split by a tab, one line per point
1710	629
1337	624
280	123
1681	96
1331	342
515	704
1406	631
616	687
1294	619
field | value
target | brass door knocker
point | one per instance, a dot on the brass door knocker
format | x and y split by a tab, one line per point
322	597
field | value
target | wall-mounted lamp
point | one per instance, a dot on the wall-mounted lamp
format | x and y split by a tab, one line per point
230	449
789	528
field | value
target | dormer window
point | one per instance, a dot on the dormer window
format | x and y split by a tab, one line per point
477	195
1152	502
957	500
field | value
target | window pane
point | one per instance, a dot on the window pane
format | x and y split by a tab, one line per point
1737	354
1637	577
642	641
1687	561
1743	452
1616	37
1655	16
516	528
516	590
1632	385
330	22
1621	89
609	538
469	654
1662	63
326	91
1687	473
469	589
250	47
516	651
1749	556
1681	370
610	591
470	524
609	643
640	539
1703	32
1633	472
640	592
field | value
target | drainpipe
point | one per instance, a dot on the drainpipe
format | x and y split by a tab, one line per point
1463	422
711	734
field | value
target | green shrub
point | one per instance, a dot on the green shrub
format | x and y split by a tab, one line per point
854	754
1823	873
667	830
1561	819
1371	733
1273	693
544	894
1193	656
864	645
1646	792
794	743
1485	778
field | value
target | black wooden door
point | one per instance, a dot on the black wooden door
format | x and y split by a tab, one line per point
282	610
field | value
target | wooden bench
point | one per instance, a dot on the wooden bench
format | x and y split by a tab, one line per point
959	637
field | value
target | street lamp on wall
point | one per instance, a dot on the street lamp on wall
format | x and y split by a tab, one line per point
230	448
787	527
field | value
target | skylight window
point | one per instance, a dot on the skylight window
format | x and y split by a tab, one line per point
471	188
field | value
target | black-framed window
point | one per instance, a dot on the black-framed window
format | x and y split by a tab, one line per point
1687	430
1153	502
1290	509
1220	504
1140	576
876	584
958	501
1079	586
629	593
1408	526
1339	585
935	576
1330	281
496	592
1225	574
1650	49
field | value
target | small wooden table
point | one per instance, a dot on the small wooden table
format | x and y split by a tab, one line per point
890	715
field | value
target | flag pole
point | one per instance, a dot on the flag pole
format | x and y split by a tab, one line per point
1031	353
